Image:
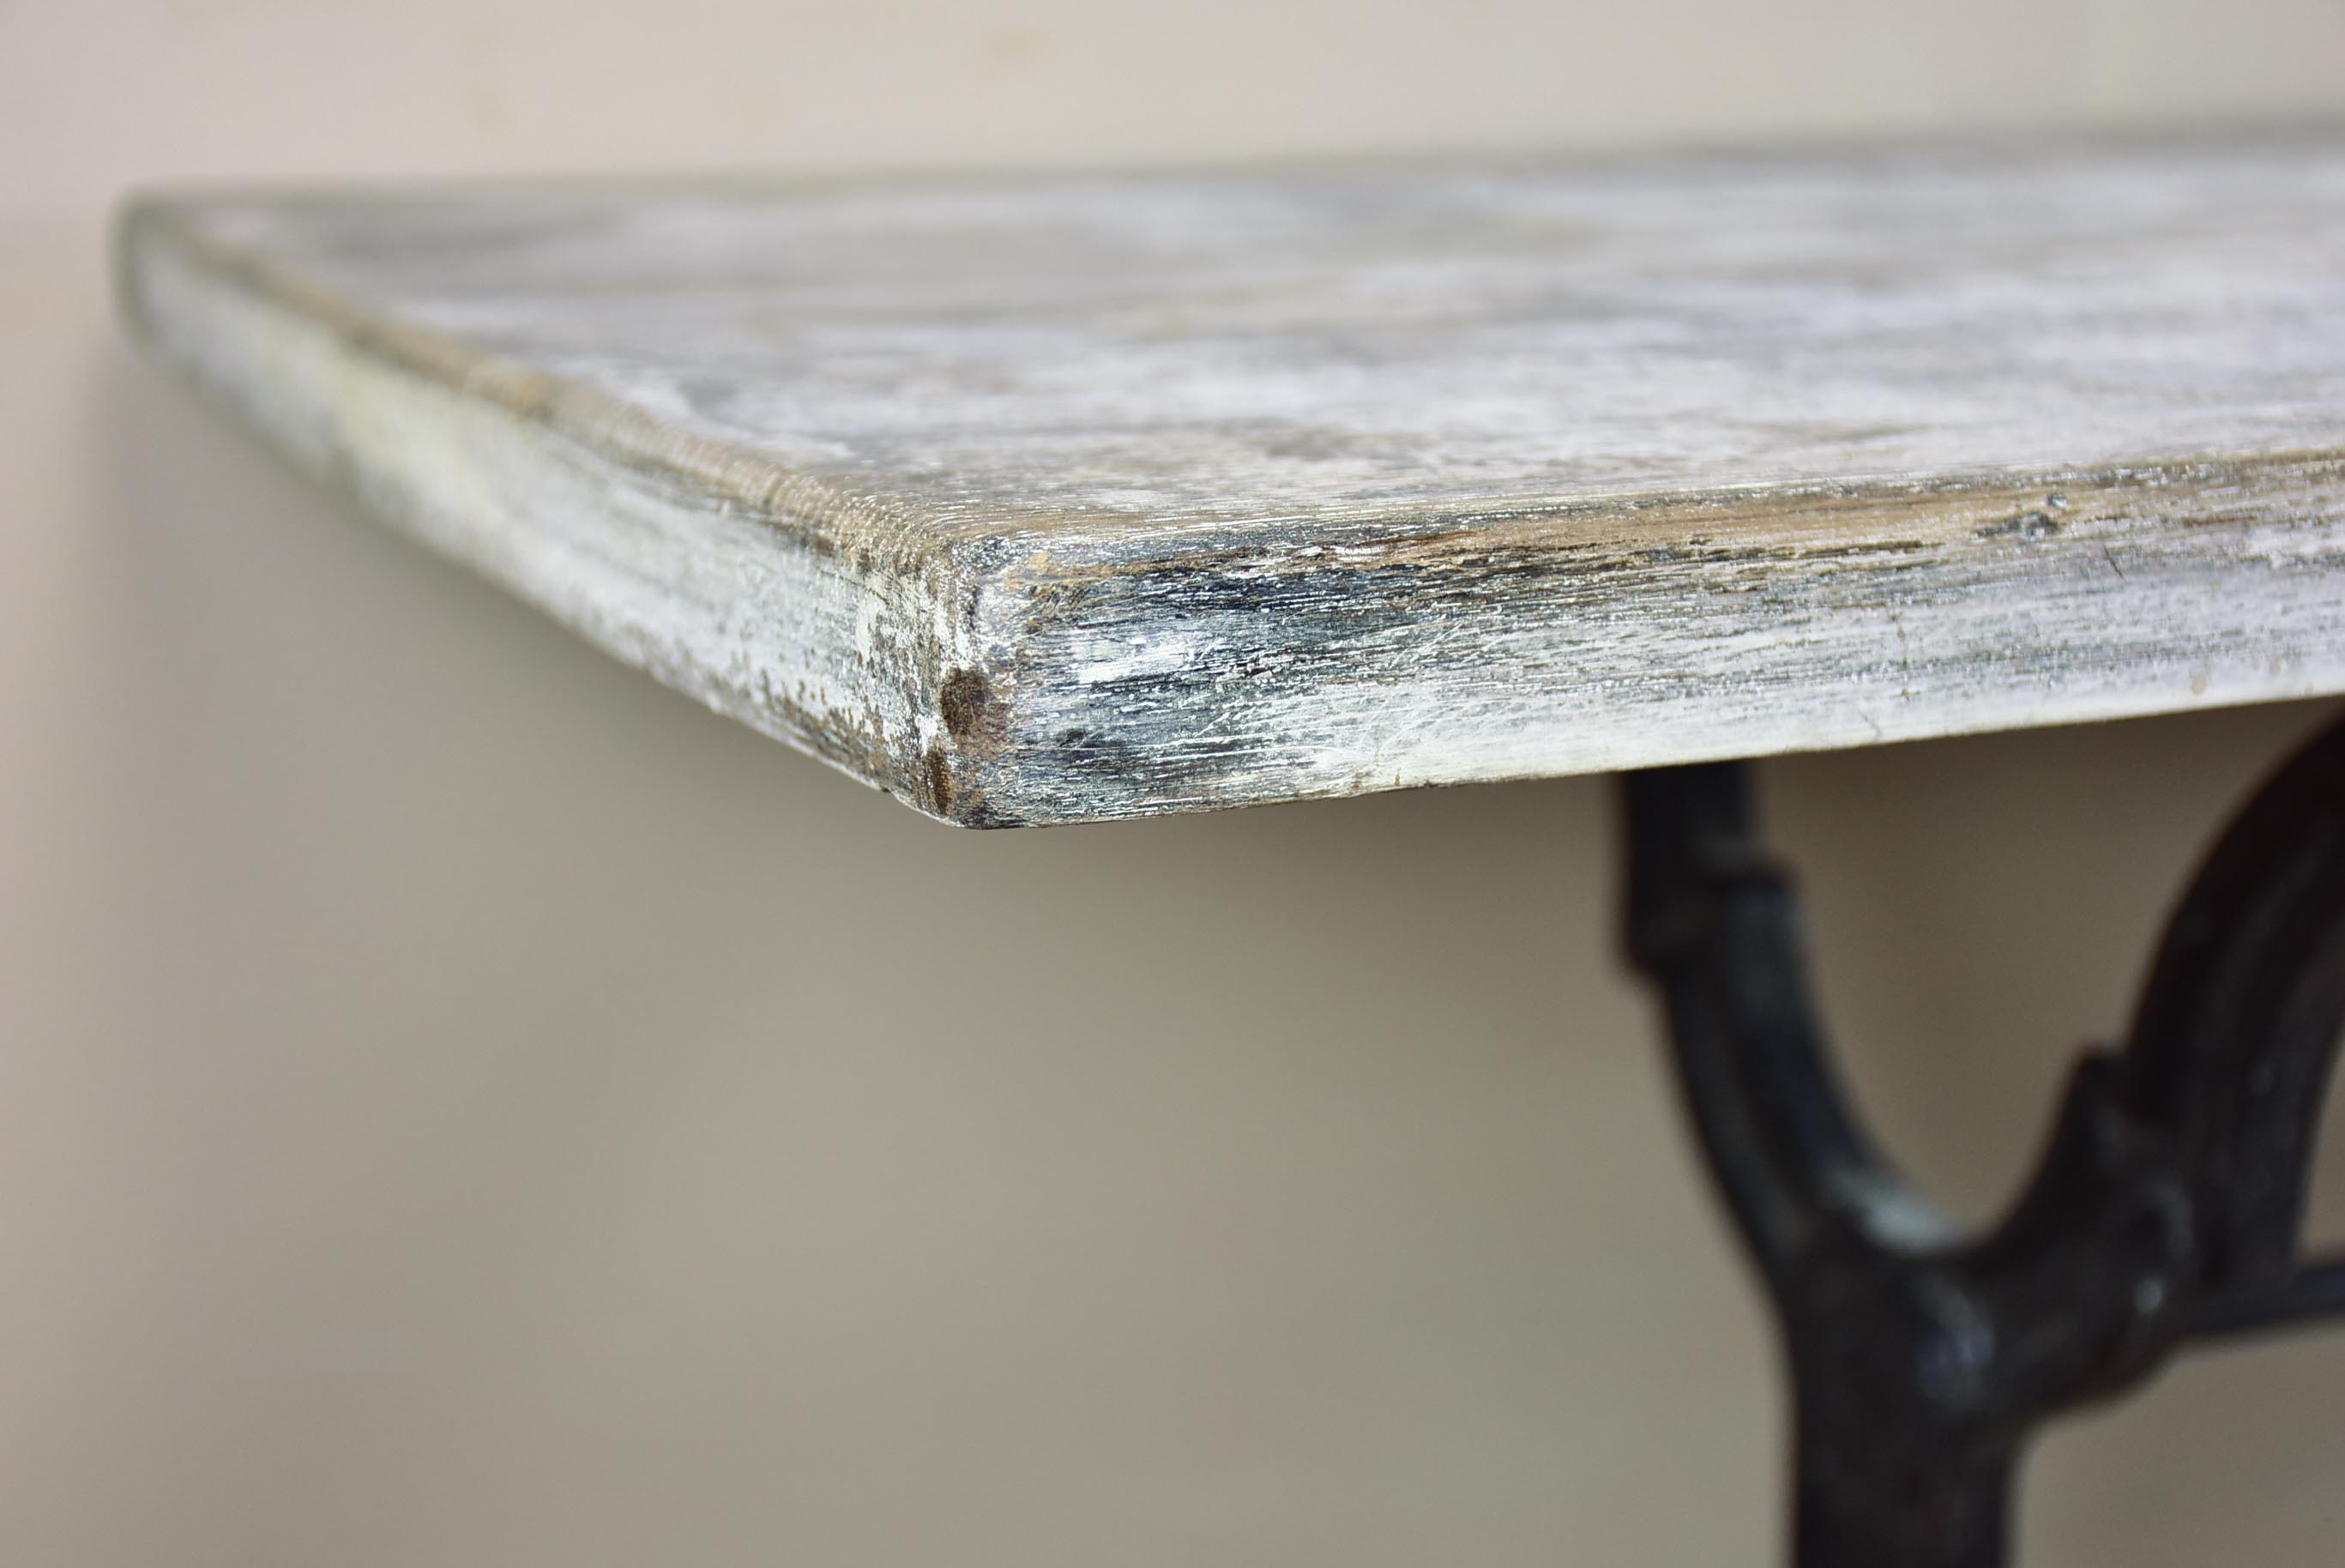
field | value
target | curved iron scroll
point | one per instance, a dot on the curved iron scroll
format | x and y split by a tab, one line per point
2166	1207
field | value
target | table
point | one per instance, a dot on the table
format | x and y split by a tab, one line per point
1050	499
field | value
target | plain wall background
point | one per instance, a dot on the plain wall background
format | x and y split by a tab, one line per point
460	1103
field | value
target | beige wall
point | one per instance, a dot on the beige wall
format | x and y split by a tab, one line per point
460	1103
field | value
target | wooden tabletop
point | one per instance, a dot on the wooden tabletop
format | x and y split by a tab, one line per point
1046	499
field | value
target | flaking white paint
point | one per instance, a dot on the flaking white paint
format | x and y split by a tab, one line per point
1039	500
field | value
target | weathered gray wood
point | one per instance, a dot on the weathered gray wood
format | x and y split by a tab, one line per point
1041	500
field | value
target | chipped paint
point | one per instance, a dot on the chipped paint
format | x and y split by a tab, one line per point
1054	499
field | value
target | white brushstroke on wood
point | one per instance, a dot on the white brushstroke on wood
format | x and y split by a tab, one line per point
1040	500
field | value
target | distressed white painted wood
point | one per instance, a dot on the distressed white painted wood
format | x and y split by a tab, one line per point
1049	499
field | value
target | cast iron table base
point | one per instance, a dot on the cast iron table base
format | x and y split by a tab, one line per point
2165	1207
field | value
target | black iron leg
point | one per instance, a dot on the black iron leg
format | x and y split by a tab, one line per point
2166	1207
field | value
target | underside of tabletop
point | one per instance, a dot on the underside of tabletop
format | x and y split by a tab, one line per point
1051	499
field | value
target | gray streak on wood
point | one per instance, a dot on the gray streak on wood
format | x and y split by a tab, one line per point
1054	499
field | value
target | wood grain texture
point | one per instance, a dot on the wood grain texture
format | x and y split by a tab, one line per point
1053	499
